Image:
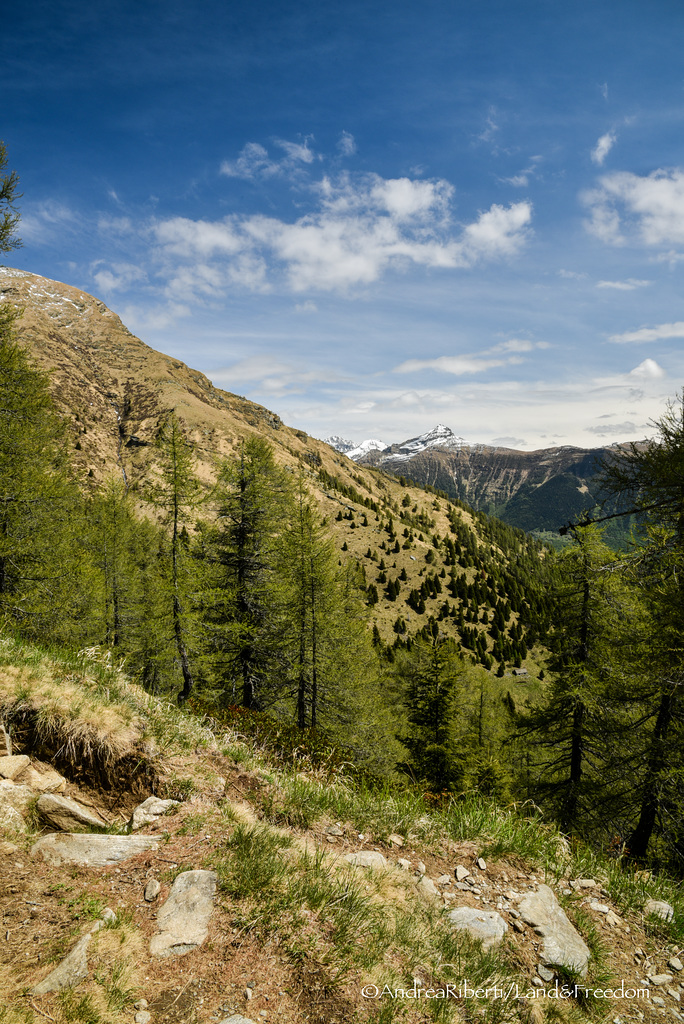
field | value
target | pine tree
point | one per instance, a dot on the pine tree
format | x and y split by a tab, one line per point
175	494
242	612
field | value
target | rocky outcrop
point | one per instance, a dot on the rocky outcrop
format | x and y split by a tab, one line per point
183	920
74	968
561	943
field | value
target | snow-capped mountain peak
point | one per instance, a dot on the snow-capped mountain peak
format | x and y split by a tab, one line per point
371	445
340	444
439	437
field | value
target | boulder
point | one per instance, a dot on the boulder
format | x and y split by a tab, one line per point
91	850
66	814
13	765
366	859
183	921
10	819
485	925
660	909
561	942
149	810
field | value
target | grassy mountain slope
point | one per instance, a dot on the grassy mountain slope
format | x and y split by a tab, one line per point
113	390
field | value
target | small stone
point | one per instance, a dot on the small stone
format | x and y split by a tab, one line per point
675	994
674	963
420	868
152	890
545	973
142	1017
612	919
149	810
461	873
366	859
334	830
403	863
248	993
599	908
5	742
141	1004
395	840
236	1018
660	979
444	880
13	765
538	983
586	883
428	885
481	863
519	926
660	909
657	1001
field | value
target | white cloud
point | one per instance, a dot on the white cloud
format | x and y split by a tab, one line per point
603	147
346	144
509	442
519	345
624	286
43	222
647	334
614	429
572	275
649	370
517	181
457	365
254	160
649	207
361	228
306	307
117	276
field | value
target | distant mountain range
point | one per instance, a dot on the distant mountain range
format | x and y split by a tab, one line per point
536	491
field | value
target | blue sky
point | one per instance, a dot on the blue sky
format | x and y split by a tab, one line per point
371	216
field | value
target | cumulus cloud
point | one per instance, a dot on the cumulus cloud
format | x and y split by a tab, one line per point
649	207
647	334
649	370
623	286
603	147
360	228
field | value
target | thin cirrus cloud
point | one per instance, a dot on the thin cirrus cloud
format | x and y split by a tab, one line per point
624	286
358	229
648	207
649	334
474	363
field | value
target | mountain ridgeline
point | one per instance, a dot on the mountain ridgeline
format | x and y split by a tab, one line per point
537	491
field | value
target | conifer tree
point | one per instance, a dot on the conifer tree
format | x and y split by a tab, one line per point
241	608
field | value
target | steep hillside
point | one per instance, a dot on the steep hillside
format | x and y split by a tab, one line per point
227	881
423	557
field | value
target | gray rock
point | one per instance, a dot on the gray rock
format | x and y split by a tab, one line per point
152	890
13	765
420	868
428	886
674	963
66	814
43	779
461	873
334	830
485	925
481	863
91	850
544	973
403	863
660	979
183	921
142	1017
444	880
561	943
395	840
18	797
149	810
10	819
236	1018
366	859
74	968
660	908
599	908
